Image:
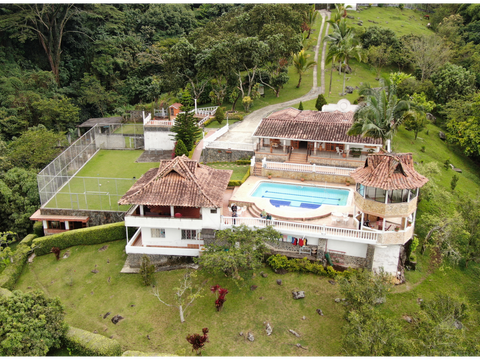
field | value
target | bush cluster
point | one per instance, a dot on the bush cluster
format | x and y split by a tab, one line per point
38	228
243	162
87	236
304	265
12	272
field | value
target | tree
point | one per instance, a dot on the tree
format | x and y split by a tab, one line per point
368	333
428	53
36	147
58	113
47	22
220	115
416	119
243	250
180	148
381	114
186	129
320	102
379	56
302	65
452	82
31	324
378	36
185	294
92	92
300	106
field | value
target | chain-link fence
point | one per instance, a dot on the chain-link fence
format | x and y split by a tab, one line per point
54	181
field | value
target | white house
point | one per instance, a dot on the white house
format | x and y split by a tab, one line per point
172	205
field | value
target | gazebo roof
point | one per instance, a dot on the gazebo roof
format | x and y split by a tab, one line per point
389	171
179	182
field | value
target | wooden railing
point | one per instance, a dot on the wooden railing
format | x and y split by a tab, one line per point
362	236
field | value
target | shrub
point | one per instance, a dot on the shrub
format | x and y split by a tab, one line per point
90	344
242	162
5	293
423	148
146	270
220	115
235	117
12	272
180	148
240	182
453	183
38	228
198	341
320	102
56	251
87	236
446	164
401	6
32	324
300	107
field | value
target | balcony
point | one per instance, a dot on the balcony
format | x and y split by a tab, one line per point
135	246
158	216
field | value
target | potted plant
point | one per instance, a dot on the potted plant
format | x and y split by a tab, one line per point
344	155
347	182
269	175
397	228
302	179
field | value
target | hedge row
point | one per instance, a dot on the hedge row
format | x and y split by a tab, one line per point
304	265
90	344
243	162
87	236
240	182
12	271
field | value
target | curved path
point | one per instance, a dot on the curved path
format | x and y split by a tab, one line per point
241	132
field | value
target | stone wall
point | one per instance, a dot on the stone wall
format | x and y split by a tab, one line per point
95	217
286	174
270	157
224	155
134	260
336	162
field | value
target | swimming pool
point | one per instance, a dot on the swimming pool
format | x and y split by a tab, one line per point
307	197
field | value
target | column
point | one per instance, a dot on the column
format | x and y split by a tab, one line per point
45	225
315	145
142	213
67	225
172	211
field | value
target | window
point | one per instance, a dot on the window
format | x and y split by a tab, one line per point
189	234
213	211
157	233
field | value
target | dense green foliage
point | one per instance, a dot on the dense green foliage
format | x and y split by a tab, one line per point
86	343
31	324
13	270
86	236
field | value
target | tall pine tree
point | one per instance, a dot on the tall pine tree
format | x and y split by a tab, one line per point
186	128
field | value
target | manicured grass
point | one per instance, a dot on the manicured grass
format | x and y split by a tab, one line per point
239	171
216	125
132	129
120	170
403	22
88	296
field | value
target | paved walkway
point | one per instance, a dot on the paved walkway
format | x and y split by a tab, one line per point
242	132
199	147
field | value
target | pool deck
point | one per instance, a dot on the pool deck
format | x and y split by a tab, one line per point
319	216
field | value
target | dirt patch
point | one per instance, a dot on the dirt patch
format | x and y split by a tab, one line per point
103	248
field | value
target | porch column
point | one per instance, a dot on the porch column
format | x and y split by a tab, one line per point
347	149
408	199
45	225
315	145
361	221
172	211
386	196
141	210
67	225
126	233
383	225
284	146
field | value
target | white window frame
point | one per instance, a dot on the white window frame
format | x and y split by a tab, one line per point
189	234
157	233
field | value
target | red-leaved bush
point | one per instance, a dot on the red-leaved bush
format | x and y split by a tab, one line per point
221	296
198	341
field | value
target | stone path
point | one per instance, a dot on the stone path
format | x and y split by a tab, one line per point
241	132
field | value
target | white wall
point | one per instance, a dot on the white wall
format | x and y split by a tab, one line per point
350	248
159	140
209	220
173	237
387	258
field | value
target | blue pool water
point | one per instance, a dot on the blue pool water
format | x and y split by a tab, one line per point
307	197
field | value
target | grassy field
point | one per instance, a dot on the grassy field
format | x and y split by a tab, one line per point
131	129
109	171
88	296
238	170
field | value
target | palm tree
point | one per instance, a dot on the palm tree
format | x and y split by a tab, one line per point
349	48
301	63
339	14
381	114
331	58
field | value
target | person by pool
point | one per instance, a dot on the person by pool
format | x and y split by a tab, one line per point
263	215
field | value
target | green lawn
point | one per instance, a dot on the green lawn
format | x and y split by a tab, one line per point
238	170
215	125
117	168
88	296
131	129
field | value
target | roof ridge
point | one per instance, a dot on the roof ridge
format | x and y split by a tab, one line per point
195	180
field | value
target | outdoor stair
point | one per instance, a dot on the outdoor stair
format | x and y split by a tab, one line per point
298	158
257	169
254	210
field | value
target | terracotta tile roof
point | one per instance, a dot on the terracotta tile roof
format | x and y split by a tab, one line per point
176	105
389	171
179	182
295	114
311	125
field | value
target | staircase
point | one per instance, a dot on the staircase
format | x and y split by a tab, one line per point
254	210
297	158
257	169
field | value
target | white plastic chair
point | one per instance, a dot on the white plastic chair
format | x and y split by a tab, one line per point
339	151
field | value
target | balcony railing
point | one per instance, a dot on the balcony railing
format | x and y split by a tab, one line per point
366	237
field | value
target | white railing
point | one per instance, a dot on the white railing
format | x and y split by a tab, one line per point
210	111
215	136
162	122
319	169
361	236
230	145
147	118
203	120
160	112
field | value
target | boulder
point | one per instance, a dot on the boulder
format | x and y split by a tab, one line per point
298	295
294	332
250	337
442	135
320	312
332	282
116	319
268	329
337	300
349	89
279	282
